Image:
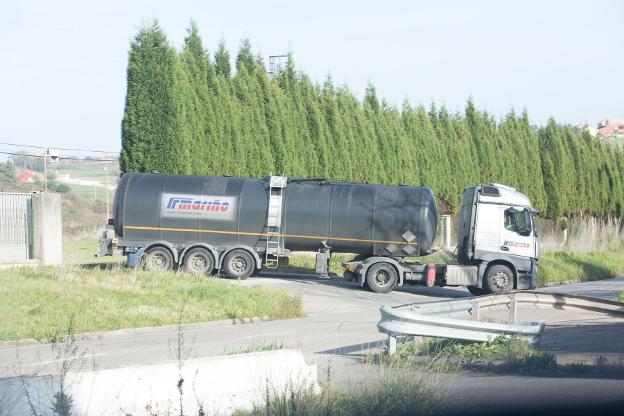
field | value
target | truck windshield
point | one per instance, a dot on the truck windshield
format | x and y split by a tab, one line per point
518	221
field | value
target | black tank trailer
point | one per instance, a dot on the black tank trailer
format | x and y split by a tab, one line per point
208	223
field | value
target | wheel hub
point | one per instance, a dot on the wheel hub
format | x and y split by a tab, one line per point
381	277
239	264
500	280
198	263
158	261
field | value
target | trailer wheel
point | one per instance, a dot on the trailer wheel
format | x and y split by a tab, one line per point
198	261
239	264
498	279
158	259
476	291
381	277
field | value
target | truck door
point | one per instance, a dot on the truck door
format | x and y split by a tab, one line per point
487	227
516	235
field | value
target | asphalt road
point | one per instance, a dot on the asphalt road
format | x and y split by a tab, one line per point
340	327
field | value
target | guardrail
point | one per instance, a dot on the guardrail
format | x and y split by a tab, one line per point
438	319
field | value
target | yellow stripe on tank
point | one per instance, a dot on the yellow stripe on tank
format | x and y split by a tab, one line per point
312	237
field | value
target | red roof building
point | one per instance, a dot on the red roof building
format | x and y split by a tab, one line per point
27	176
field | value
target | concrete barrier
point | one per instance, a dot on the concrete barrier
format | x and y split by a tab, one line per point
219	385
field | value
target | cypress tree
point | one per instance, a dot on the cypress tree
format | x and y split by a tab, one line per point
222	61
154	135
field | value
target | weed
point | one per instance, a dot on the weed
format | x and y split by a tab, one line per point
502	354
393	395
268	346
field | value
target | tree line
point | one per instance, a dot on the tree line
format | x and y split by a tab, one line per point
191	112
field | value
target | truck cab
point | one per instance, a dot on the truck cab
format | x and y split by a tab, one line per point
497	234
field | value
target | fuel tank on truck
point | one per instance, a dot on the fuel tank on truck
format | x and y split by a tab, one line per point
356	218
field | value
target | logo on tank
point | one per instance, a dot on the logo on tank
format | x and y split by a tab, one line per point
198	206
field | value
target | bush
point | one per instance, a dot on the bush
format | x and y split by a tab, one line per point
61	188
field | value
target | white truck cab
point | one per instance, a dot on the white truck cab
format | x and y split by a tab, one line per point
497	234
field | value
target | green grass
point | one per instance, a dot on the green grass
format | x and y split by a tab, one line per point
621	297
81	252
392	395
501	355
267	346
39	302
557	267
93	193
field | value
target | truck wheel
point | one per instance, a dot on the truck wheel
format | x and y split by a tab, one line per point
158	259
381	277
476	291
498	279
198	261
239	264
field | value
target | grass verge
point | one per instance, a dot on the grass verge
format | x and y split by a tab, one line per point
393	395
501	355
39	302
557	267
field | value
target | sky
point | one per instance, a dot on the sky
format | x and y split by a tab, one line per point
63	63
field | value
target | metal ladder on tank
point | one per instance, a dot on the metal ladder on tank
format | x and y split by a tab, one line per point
274	239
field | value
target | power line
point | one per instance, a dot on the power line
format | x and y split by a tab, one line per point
57	148
63	158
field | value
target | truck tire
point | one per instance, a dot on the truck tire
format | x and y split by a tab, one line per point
239	264
198	261
498	279
381	277
476	291
158	259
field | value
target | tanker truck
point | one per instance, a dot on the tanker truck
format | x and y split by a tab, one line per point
236	226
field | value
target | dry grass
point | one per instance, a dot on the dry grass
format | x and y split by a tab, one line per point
584	235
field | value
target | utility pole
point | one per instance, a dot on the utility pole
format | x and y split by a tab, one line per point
53	155
106	188
45	170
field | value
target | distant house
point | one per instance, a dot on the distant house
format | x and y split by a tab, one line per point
611	127
27	176
579	128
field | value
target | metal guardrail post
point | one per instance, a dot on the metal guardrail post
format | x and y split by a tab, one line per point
392	344
513	309
475	312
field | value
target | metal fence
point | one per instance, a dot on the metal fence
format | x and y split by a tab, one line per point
15	227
